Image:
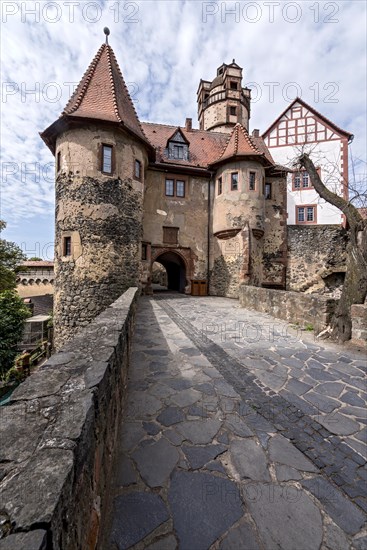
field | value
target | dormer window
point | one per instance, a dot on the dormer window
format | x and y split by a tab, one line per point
177	146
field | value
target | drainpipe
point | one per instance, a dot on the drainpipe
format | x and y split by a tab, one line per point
208	236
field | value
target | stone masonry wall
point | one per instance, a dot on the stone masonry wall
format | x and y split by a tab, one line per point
359	324
290	306
58	434
314	253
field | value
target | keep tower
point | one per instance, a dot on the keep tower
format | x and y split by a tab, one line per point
101	158
223	103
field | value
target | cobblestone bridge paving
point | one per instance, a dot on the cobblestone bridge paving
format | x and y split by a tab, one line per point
239	434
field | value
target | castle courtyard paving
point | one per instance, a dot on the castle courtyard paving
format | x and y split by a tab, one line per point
240	433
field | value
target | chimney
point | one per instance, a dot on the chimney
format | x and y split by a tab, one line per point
256	133
188	124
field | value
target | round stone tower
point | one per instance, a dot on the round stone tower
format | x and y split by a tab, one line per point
101	157
223	103
239	211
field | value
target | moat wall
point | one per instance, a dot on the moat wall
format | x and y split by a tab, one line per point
58	434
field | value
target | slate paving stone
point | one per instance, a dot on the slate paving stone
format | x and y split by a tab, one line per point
223	438
263	438
341	510
199	432
132	433
286	473
135	515
359	543
249	459
215	466
156	461
353	399
161	391
206	388
151	428
362	435
282	451
240	537
173	436
236	425
190	351
332	389
198	410
300	403
322	402
339	424
185	398
298	387
335	538
170	416
179	384
141	405
318	374
199	456
208	504
166	543
286	518
223	388
125	473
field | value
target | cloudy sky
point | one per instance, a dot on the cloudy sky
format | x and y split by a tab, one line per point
313	49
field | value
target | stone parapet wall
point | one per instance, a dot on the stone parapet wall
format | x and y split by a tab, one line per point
290	306
58	434
359	324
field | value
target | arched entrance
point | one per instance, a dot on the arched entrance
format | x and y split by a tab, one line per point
175	268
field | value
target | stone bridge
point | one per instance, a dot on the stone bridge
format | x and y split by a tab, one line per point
177	422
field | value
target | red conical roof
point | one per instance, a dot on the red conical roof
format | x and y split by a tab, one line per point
102	94
239	144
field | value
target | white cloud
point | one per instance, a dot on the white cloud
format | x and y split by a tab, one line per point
163	56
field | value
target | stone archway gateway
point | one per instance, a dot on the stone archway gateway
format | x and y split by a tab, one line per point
178	264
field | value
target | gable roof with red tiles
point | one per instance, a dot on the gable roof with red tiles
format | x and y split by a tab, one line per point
205	147
333	126
100	95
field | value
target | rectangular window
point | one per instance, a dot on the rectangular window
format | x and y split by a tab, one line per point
144	252
58	163
305	179
252	181
220	189
306	214
267	191
170	235
67	246
234	181
107	159
297	181
137	170
169	188
232	110
233	85
178	152
180	188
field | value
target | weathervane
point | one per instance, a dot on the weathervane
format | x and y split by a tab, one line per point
106	30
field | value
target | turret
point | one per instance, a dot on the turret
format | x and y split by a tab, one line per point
223	103
101	158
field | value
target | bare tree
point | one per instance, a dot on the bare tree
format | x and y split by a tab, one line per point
355	283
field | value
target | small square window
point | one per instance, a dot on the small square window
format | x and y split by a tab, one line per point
267	191
220	184
252	181
67	246
234	181
169	188
107	159
232	111
180	188
233	85
137	169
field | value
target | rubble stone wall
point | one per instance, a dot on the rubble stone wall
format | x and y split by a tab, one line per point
58	434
